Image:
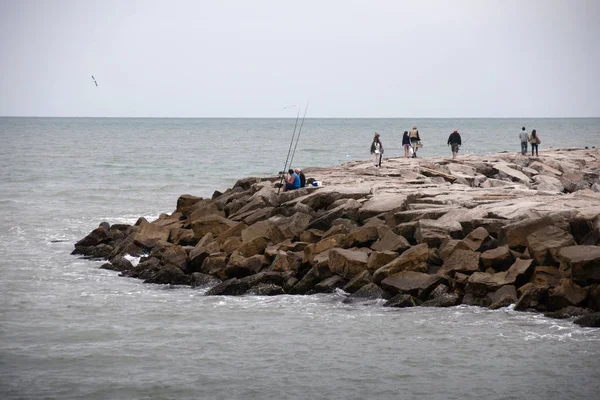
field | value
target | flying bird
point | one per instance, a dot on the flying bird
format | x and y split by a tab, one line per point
94	79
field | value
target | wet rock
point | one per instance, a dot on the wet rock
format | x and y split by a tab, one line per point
230	287
369	291
533	297
119	264
566	294
471	300
444	300
589	321
502	297
402	301
567	312
410	282
545	276
203	280
330	284
266	289
357	282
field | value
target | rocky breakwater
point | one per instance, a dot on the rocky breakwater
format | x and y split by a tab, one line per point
480	230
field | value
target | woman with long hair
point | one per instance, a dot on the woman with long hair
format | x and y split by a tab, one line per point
534	140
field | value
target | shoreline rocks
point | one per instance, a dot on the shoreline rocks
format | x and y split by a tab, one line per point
489	230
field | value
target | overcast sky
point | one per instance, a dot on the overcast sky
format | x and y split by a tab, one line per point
462	58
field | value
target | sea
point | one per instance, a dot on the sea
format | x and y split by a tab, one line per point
69	330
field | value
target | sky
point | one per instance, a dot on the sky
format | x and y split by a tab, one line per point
350	59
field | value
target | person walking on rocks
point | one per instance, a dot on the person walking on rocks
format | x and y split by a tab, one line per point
534	140
377	150
406	143
455	141
415	140
524	138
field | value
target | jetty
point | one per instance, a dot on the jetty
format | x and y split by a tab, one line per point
486	230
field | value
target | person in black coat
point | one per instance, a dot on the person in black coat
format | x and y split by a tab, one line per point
302	177
455	141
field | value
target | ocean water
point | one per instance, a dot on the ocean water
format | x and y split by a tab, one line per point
69	330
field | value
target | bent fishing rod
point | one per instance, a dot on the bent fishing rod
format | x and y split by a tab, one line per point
289	150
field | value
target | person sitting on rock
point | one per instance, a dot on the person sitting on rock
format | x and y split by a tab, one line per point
455	141
302	177
292	182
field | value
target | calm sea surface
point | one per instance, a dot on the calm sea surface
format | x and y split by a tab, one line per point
69	330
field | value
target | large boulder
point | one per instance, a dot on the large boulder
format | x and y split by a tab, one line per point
512	173
444	300
516	233
357	282
185	202
582	263
520	272
291	226
328	285
263	228
369	291
391	242
434	232
589	321
378	259
544	275
211	223
172	255
148	234
361	236
205	247
413	259
475	239
503	297
499	259
286	261
547	184
545	243
482	283
566	294
449	246
414	283
533	297
347	263
200	280
252	247
213	264
240	267
466	261
381	203
349	209
230	287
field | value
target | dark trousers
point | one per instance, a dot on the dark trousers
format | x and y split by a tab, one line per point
523	148
534	146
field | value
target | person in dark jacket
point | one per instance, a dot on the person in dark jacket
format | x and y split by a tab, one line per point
302	177
406	143
455	141
377	150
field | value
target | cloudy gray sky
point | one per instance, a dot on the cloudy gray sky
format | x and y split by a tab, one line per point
462	58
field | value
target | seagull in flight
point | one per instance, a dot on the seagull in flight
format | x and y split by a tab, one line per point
94	79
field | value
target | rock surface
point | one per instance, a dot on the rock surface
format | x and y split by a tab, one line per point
487	230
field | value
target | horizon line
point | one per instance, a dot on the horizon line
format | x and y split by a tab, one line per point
140	117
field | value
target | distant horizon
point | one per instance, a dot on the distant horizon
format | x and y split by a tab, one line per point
308	117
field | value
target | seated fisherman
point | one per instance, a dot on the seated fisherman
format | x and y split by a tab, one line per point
292	182
302	177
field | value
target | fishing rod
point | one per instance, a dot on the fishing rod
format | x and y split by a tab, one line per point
299	133
289	150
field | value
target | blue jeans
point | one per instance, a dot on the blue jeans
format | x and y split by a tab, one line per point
534	146
523	148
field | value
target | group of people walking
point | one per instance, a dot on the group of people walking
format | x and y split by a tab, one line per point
533	139
411	142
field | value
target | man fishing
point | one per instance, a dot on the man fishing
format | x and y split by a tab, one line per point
292	182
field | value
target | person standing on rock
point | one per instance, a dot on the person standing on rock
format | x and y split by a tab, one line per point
455	141
524	138
406	143
415	140
534	140
377	150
